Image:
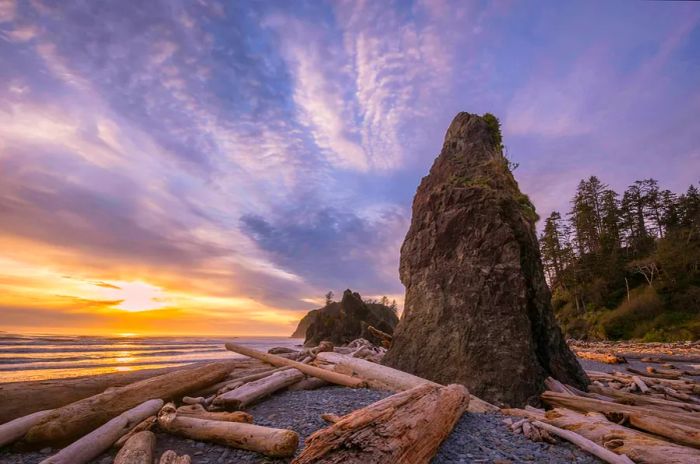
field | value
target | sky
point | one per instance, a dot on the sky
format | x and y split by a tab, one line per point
212	167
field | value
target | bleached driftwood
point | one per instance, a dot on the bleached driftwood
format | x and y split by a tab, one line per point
94	443
198	411
640	400
138	449
278	361
19	399
253	391
309	383
15	429
266	440
638	446
249	378
654	374
672	425
395	379
405	428
145	424
171	457
640	384
585	444
66	424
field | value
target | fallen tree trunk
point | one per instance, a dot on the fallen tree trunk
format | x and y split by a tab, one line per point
585	444
679	433
269	441
20	399
639	446
101	439
638	400
138	449
393	378
252	391
405	428
199	412
250	378
65	424
310	383
15	429
589	404
278	361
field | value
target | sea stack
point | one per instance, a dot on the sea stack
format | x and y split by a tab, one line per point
477	308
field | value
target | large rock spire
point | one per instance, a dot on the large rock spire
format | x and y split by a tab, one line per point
477	307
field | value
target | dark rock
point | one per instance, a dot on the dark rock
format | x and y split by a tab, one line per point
344	321
304	324
477	307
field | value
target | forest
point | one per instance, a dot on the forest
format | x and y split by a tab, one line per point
625	267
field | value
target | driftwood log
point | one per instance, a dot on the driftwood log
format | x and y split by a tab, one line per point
20	399
198	411
405	428
640	447
171	457
144	425
253	391
96	442
278	361
678	427
393	378
309	383
66	424
265	440
639	400
585	444
15	429
138	449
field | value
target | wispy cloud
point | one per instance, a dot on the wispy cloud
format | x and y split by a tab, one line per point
234	162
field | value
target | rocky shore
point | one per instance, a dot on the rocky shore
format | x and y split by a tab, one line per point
477	438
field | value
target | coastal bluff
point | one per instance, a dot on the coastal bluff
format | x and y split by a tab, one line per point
477	308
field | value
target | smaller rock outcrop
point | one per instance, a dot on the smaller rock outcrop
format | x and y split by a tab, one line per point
344	321
304	324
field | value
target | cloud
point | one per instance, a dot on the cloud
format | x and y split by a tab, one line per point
244	160
8	10
332	248
20	33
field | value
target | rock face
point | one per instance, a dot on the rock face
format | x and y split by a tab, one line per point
304	324
477	309
344	321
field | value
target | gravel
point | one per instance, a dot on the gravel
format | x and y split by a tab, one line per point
477	438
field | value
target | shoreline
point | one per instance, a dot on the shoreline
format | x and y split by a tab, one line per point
475	438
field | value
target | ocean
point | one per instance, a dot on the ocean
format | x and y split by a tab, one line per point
41	357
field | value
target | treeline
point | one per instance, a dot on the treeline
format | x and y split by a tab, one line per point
626	266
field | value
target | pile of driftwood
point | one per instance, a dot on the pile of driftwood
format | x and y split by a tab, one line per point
650	416
205	402
643	417
618	352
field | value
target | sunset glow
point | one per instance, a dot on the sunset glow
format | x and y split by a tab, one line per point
207	168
